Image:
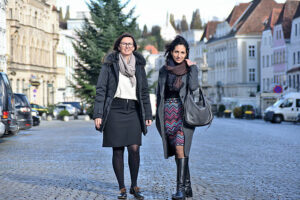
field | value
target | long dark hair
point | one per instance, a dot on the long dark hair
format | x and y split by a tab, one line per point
177	41
119	39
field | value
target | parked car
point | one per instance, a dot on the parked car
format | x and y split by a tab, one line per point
2	126
7	104
36	119
76	105
58	108
153	104
23	111
2	129
43	111
286	108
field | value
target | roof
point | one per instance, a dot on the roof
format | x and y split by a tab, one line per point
236	12
252	22
151	49
297	14
286	16
272	19
209	29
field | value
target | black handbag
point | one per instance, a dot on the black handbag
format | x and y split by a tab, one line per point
197	113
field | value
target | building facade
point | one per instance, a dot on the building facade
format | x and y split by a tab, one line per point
233	54
3	4
32	39
293	71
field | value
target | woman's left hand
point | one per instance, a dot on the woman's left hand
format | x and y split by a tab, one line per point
148	122
189	62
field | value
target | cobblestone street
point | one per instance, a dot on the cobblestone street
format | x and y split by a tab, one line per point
233	159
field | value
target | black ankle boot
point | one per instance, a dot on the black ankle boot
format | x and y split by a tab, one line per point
181	176
123	194
188	185
135	191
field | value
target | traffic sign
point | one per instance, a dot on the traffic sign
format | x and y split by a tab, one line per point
277	89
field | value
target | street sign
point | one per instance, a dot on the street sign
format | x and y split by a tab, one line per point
50	85
277	89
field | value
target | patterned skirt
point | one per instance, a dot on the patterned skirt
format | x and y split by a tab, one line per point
173	121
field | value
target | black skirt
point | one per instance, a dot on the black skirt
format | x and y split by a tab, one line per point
123	125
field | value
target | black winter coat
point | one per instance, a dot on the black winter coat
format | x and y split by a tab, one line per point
107	86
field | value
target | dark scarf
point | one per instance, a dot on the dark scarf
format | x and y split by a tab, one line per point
175	73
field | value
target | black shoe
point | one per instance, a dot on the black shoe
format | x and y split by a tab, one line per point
135	191
188	185
181	178
123	194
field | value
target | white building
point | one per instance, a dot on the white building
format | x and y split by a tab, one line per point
167	32
293	71
266	68
66	64
233	53
3	66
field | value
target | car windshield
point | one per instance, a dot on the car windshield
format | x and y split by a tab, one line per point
278	103
74	104
21	100
61	107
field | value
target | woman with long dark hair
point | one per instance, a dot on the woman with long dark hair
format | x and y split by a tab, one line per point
177	77
122	108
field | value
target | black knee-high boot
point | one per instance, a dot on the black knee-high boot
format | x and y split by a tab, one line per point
181	178
188	185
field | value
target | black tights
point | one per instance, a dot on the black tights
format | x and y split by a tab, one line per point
133	161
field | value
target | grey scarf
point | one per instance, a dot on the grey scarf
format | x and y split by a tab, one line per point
128	69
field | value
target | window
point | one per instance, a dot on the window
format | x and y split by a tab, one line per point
251	75
264	84
298	82
290	81
296	30
294	81
268	57
298	103
268	84
288	103
251	51
263	64
294	58
298	57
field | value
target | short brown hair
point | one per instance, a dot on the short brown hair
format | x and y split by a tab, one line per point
119	39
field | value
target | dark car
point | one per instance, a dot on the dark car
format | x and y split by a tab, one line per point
23	111
7	104
36	119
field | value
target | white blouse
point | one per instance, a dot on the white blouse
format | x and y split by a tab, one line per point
125	90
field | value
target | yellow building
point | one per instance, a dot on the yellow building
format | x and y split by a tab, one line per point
32	39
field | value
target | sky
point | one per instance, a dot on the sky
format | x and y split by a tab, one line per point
154	12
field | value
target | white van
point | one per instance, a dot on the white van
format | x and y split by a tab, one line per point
286	108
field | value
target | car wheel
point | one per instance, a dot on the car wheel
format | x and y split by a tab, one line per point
277	119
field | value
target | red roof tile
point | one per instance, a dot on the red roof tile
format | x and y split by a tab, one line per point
286	17
151	49
209	29
236	12
272	19
252	21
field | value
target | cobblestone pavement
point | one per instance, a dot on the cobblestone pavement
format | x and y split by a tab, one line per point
233	159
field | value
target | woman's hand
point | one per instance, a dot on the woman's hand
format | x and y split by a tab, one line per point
189	62
98	122
148	122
